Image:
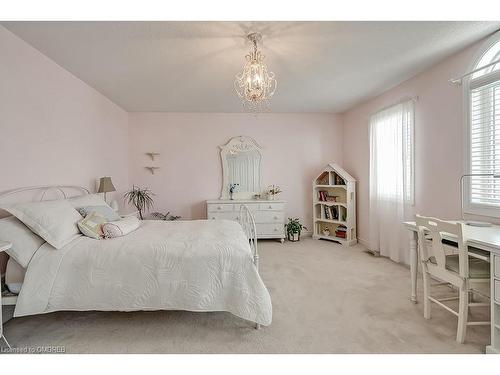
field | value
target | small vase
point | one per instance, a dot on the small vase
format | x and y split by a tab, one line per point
231	196
270	197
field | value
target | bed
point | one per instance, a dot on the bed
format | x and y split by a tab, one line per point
197	265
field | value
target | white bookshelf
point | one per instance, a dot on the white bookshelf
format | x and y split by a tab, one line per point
335	209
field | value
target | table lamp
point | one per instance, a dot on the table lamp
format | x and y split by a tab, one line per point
105	186
473	223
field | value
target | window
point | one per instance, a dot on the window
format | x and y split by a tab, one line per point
482	193
391	153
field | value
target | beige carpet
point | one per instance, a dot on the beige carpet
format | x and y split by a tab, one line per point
326	299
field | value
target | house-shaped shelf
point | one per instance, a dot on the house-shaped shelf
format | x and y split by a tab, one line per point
334	205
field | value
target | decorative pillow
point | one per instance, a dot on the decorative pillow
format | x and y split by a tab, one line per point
91	226
54	221
87	200
24	242
105	211
121	227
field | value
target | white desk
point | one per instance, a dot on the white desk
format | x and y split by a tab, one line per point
483	238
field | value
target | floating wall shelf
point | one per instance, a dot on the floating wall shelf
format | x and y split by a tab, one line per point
152	169
152	155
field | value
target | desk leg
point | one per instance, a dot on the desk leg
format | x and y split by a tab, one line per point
413	265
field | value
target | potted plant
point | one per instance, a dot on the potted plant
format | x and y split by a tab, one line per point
166	217
140	198
293	229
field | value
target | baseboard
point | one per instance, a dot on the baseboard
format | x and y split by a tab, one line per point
366	245
363	242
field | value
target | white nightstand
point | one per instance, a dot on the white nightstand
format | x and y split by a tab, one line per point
3	247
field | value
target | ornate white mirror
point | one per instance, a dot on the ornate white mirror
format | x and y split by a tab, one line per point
241	162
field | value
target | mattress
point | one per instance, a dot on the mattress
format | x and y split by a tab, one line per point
14	276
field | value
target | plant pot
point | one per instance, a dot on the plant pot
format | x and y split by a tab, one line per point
293	237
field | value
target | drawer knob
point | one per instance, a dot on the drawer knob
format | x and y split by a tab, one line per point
276	218
270	206
275	229
219	207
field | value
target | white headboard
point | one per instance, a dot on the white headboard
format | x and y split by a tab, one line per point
40	193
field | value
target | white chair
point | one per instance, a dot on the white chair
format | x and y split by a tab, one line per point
460	270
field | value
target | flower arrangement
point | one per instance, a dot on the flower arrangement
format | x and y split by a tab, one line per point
273	190
232	189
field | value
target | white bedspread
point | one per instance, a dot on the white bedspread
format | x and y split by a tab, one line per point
183	265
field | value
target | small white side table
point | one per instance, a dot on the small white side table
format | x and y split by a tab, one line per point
3	247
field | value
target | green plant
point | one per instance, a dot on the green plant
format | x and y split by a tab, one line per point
167	216
294	227
140	198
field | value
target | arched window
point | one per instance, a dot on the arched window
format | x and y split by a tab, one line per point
482	193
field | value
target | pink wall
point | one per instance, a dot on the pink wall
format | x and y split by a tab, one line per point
295	146
439	125
55	129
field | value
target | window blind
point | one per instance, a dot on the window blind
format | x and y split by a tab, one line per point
485	140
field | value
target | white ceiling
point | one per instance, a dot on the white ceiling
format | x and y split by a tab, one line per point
190	66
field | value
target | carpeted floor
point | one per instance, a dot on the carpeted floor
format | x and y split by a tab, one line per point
326	299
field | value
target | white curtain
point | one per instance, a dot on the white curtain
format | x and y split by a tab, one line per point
391	180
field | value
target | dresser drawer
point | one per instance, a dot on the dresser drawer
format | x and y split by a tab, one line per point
220	207
270	229
496	266
497	291
269	217
223	216
272	206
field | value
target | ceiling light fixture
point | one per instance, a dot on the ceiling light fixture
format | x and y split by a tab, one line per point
255	85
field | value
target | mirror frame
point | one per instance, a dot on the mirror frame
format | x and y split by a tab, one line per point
236	145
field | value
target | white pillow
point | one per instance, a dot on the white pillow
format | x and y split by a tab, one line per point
24	242
121	227
87	200
54	221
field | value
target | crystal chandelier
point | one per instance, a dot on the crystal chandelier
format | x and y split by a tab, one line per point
255	85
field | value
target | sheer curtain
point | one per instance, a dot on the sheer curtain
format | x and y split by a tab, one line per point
391	179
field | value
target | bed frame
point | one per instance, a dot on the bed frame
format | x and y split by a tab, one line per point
246	218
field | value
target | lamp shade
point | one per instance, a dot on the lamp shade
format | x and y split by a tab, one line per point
105	185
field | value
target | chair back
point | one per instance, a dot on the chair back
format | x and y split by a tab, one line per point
435	228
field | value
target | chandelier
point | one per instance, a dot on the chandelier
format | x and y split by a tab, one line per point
255	85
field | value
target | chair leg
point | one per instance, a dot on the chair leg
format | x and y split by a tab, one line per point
427	292
463	312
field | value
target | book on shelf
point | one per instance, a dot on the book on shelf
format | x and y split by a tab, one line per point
323	196
335	212
327	213
341	231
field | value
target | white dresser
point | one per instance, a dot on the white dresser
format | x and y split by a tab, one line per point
269	215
